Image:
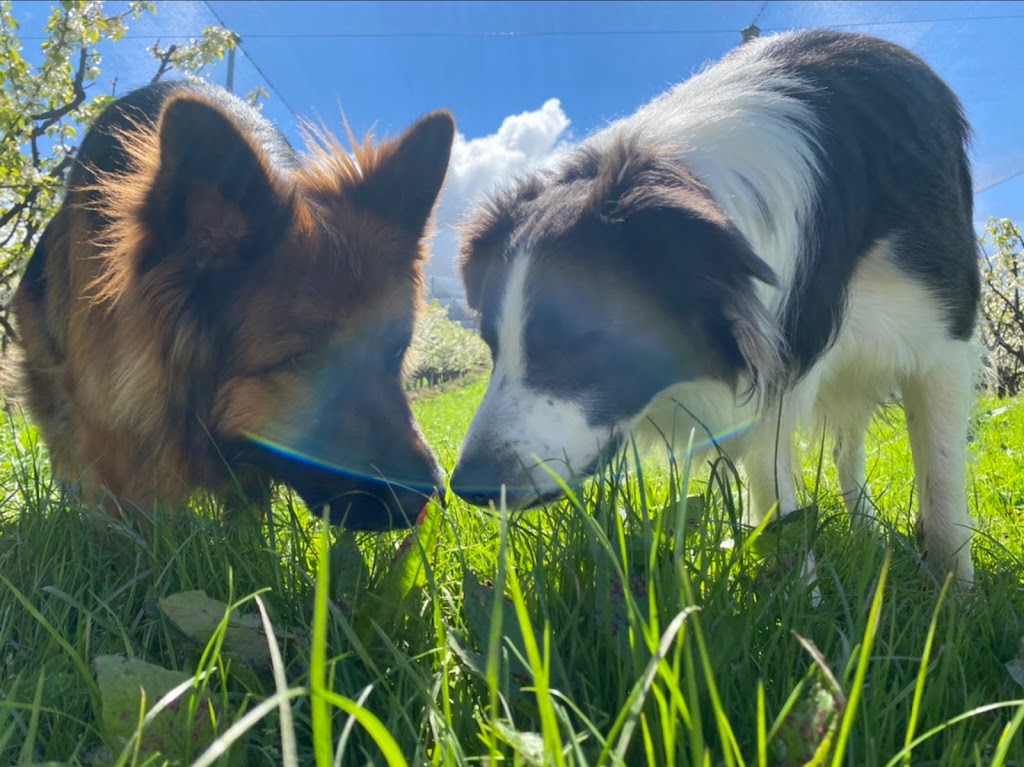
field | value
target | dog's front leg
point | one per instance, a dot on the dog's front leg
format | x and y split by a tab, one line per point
770	463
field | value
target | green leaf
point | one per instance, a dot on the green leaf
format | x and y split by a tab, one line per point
529	746
198	616
478	602
395	595
806	734
130	688
793	532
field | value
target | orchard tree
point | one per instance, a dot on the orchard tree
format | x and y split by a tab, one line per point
1003	303
45	110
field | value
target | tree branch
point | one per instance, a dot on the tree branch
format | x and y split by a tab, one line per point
1017	315
52	116
26	202
9	334
165	62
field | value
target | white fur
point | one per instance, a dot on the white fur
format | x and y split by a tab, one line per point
892	341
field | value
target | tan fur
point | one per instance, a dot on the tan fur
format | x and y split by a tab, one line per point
116	351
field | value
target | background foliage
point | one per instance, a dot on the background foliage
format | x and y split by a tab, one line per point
443	350
1002	286
48	100
46	103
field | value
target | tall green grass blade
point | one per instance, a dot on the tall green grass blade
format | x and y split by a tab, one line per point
1006	738
922	672
289	749
33	721
762	726
977	711
373	726
320	707
232	734
540	668
730	746
80	664
624	725
864	659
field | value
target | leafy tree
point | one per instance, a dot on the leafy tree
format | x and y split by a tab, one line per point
1003	303
442	350
45	110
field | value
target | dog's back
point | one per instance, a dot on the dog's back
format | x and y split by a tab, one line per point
817	145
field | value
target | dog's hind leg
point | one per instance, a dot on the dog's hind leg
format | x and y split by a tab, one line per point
937	401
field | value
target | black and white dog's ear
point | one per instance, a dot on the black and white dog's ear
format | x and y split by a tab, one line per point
728	273
672	227
757	336
485	232
732	272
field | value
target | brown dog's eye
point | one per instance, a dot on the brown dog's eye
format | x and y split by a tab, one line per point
396	358
299	361
394	350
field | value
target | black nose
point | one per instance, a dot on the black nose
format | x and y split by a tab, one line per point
476	481
367	500
380	504
377	507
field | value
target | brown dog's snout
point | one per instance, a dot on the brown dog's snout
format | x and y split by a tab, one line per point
377	508
363	492
386	504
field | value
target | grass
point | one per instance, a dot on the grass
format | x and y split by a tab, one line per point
638	624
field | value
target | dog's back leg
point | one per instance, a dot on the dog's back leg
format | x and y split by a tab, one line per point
937	401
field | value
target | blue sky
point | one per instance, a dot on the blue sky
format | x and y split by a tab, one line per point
527	78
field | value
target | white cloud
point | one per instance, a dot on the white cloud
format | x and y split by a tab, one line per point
524	142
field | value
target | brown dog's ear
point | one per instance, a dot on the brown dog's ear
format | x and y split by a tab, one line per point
213	186
405	181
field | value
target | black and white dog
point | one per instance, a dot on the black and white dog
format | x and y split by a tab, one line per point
780	242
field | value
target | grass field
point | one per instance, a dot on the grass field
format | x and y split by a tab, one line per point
641	624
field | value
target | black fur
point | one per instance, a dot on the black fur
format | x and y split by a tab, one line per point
893	155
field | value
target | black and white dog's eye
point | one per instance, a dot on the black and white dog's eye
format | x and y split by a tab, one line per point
300	360
559	338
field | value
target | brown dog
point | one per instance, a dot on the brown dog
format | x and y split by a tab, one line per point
205	311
